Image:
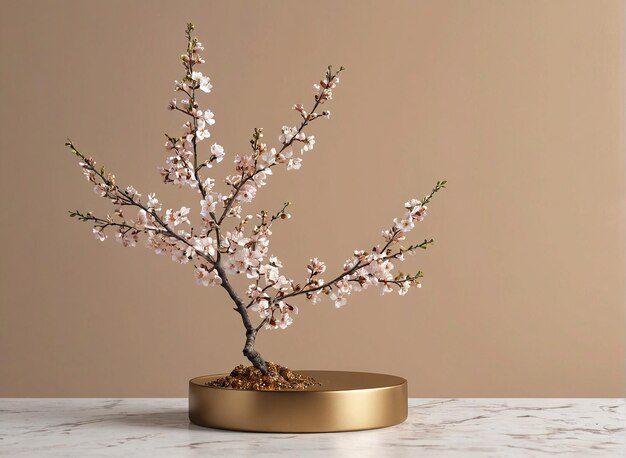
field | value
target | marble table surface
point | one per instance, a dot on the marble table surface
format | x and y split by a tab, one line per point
435	427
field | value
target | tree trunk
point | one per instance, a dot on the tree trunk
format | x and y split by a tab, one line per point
248	350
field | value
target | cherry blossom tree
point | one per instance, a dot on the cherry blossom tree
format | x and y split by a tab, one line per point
223	240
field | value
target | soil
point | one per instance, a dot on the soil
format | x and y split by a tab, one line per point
277	378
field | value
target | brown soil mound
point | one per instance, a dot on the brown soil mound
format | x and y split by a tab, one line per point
251	378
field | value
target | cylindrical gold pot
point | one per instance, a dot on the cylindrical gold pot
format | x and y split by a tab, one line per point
345	401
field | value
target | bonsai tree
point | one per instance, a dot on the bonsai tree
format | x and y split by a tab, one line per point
223	240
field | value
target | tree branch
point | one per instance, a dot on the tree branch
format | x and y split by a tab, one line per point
306	120
357	266
128	200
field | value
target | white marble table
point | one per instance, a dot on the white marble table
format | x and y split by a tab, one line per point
436	427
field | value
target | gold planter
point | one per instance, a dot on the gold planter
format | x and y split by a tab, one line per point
346	401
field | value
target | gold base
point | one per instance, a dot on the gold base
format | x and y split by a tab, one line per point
346	401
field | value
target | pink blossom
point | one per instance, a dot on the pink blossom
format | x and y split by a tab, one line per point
324	89
245	164
254	291
144	220
262	307
132	192
300	108
156	243
177	217
315	267
101	189
403	225
128	238
247	192
415	209
179	255
205	277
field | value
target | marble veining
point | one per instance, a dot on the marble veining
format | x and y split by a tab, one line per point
435	427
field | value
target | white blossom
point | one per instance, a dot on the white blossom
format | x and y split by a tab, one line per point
309	142
404	288
294	164
339	299
153	202
217	151
269	156
205	245
261	176
208	205
99	234
284	321
288	134
144	220
203	81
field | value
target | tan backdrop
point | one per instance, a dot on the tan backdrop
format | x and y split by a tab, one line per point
518	104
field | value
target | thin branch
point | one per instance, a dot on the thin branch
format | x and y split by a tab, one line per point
128	200
357	266
286	145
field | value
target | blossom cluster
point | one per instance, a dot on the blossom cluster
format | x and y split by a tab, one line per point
166	232
182	165
216	251
360	271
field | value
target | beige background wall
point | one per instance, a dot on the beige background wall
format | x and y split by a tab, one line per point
518	104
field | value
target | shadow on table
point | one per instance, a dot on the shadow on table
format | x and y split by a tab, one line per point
159	419
164	418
